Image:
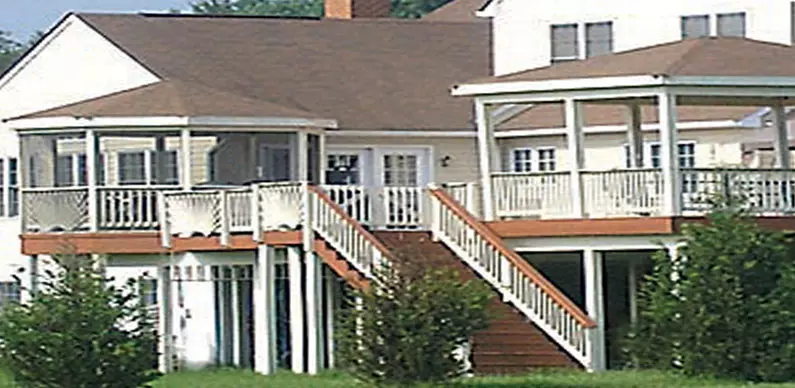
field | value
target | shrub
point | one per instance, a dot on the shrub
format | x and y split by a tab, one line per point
78	331
411	323
725	308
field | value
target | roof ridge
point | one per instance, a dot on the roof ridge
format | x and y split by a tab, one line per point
681	61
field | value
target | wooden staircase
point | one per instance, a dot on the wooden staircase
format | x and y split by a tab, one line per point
511	344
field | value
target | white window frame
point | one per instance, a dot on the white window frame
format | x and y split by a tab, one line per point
148	166
647	153
730	14
530	162
553	161
713	22
587	41
347	154
9	191
582	39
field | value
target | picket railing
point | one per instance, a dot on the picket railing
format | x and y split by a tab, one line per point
468	194
519	283
346	235
760	191
128	207
542	194
623	192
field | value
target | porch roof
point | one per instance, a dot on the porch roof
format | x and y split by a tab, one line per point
711	61
173	98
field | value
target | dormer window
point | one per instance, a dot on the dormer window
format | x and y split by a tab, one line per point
695	26
725	24
731	24
573	41
565	43
598	39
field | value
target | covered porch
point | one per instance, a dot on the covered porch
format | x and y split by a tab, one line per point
701	73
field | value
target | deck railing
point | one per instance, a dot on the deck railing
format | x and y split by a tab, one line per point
542	194
623	192
760	191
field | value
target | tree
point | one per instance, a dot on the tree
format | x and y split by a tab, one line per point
79	332
310	8
9	50
726	308
410	324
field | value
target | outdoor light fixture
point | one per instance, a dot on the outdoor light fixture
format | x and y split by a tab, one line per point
445	161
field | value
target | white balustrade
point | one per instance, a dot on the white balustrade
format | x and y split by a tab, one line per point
519	283
239	207
279	205
194	212
759	191
623	192
128	208
402	207
55	210
543	194
357	201
468	194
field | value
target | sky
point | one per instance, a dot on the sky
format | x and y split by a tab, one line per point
24	17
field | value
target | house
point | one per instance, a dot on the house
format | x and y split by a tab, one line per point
248	170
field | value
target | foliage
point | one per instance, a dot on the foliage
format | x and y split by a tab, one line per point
725	308
305	8
11	50
410	323
79	331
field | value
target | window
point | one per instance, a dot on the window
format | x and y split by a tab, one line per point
731	24
132	168
522	159
13	187
565	45
342	169
695	26
147	290
171	169
71	170
401	170
9	293
546	159
686	153
598	39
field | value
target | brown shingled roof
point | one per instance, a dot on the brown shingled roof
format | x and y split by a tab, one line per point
174	98
364	73
457	11
720	57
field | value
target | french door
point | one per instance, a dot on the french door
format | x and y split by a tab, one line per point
402	175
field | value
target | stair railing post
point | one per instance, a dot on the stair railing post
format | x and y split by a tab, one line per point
436	212
256	216
223	204
306	217
162	215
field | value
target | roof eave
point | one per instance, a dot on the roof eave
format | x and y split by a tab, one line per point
481	89
75	122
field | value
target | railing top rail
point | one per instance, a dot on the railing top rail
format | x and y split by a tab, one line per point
735	169
347	218
515	259
53	189
621	170
533	173
278	184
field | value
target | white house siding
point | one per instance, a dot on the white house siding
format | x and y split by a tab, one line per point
75	64
604	151
462	165
522	27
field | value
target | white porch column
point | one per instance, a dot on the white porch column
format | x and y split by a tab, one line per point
634	136
296	309
488	156
165	313
314	313
236	315
575	139
632	291
331	304
781	143
264	306
593	271
303	156
91	179
185	173
669	155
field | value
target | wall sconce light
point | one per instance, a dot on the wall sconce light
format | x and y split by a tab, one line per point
445	161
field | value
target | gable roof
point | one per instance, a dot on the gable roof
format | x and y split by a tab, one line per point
365	73
707	57
174	98
457	11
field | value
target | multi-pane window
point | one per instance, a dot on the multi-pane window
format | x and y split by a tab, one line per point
170	169
686	153
731	24
71	170
565	42
546	159
522	159
401	170
132	168
598	39
147	291
9	293
695	26
342	169
13	187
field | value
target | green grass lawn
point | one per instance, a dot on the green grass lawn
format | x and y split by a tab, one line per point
247	379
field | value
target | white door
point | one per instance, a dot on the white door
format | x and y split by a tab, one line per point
345	180
402	176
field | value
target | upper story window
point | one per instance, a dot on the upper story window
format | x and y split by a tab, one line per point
695	26
9	187
726	24
342	169
529	160
652	156
565	43
140	168
731	24
70	170
598	39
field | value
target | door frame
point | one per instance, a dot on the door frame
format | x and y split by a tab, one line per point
365	161
425	162
370	155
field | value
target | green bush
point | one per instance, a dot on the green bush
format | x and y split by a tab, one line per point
410	323
78	332
725	307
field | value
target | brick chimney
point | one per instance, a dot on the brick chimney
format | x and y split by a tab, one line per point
349	9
